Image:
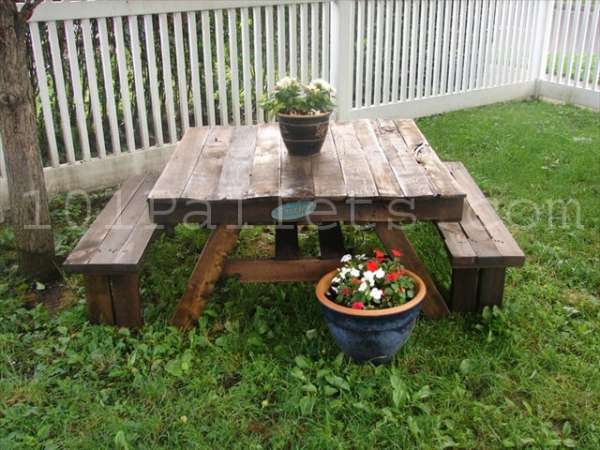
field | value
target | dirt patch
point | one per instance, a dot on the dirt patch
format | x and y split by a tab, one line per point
54	297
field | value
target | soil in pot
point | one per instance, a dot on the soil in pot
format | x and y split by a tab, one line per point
373	335
304	135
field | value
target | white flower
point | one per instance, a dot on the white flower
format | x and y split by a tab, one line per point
344	271
346	258
336	280
355	273
363	287
379	273
369	277
286	82
376	294
323	85
334	289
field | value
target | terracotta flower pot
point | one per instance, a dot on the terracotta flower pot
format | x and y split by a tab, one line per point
370	335
304	135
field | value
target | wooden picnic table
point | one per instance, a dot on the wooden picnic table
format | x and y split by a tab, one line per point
369	171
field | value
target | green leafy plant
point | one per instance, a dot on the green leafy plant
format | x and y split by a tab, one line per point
372	283
292	97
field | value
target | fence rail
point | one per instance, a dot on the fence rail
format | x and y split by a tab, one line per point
116	77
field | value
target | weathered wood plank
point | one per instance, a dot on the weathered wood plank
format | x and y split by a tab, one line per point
457	244
206	273
479	238
265	177
108	251
490	287
438	172
235	174
127	307
328	178
433	305
463	291
411	176
273	271
102	225
357	175
99	300
258	211
383	175
203	181
131	254
178	170
503	239
296	176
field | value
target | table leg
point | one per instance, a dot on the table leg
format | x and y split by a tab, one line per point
331	240
286	242
434	305
206	273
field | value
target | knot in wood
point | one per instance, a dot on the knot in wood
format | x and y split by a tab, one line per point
10	100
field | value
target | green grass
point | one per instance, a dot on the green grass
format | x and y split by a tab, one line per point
261	371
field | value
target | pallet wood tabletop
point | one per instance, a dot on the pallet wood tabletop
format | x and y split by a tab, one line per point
368	170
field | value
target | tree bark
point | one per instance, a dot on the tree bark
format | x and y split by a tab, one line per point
27	190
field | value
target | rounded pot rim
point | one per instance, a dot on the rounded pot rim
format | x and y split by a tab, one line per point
304	116
325	281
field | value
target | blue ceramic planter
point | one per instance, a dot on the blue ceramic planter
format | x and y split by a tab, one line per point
370	335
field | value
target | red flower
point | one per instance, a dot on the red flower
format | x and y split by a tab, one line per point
396	253
372	265
392	276
346	291
379	254
358	305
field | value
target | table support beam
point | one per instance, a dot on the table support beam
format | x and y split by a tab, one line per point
206	273
275	271
434	305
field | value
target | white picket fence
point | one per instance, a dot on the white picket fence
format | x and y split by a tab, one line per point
118	82
177	97
575	45
572	53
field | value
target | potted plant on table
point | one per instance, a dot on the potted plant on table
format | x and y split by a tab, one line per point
371	305
302	112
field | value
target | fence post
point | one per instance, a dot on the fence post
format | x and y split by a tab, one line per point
341	50
543	29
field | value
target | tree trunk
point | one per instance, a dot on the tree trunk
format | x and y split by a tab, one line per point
27	191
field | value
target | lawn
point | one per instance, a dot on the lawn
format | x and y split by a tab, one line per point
261	371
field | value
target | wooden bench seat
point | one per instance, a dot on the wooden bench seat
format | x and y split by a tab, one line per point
480	248
110	254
